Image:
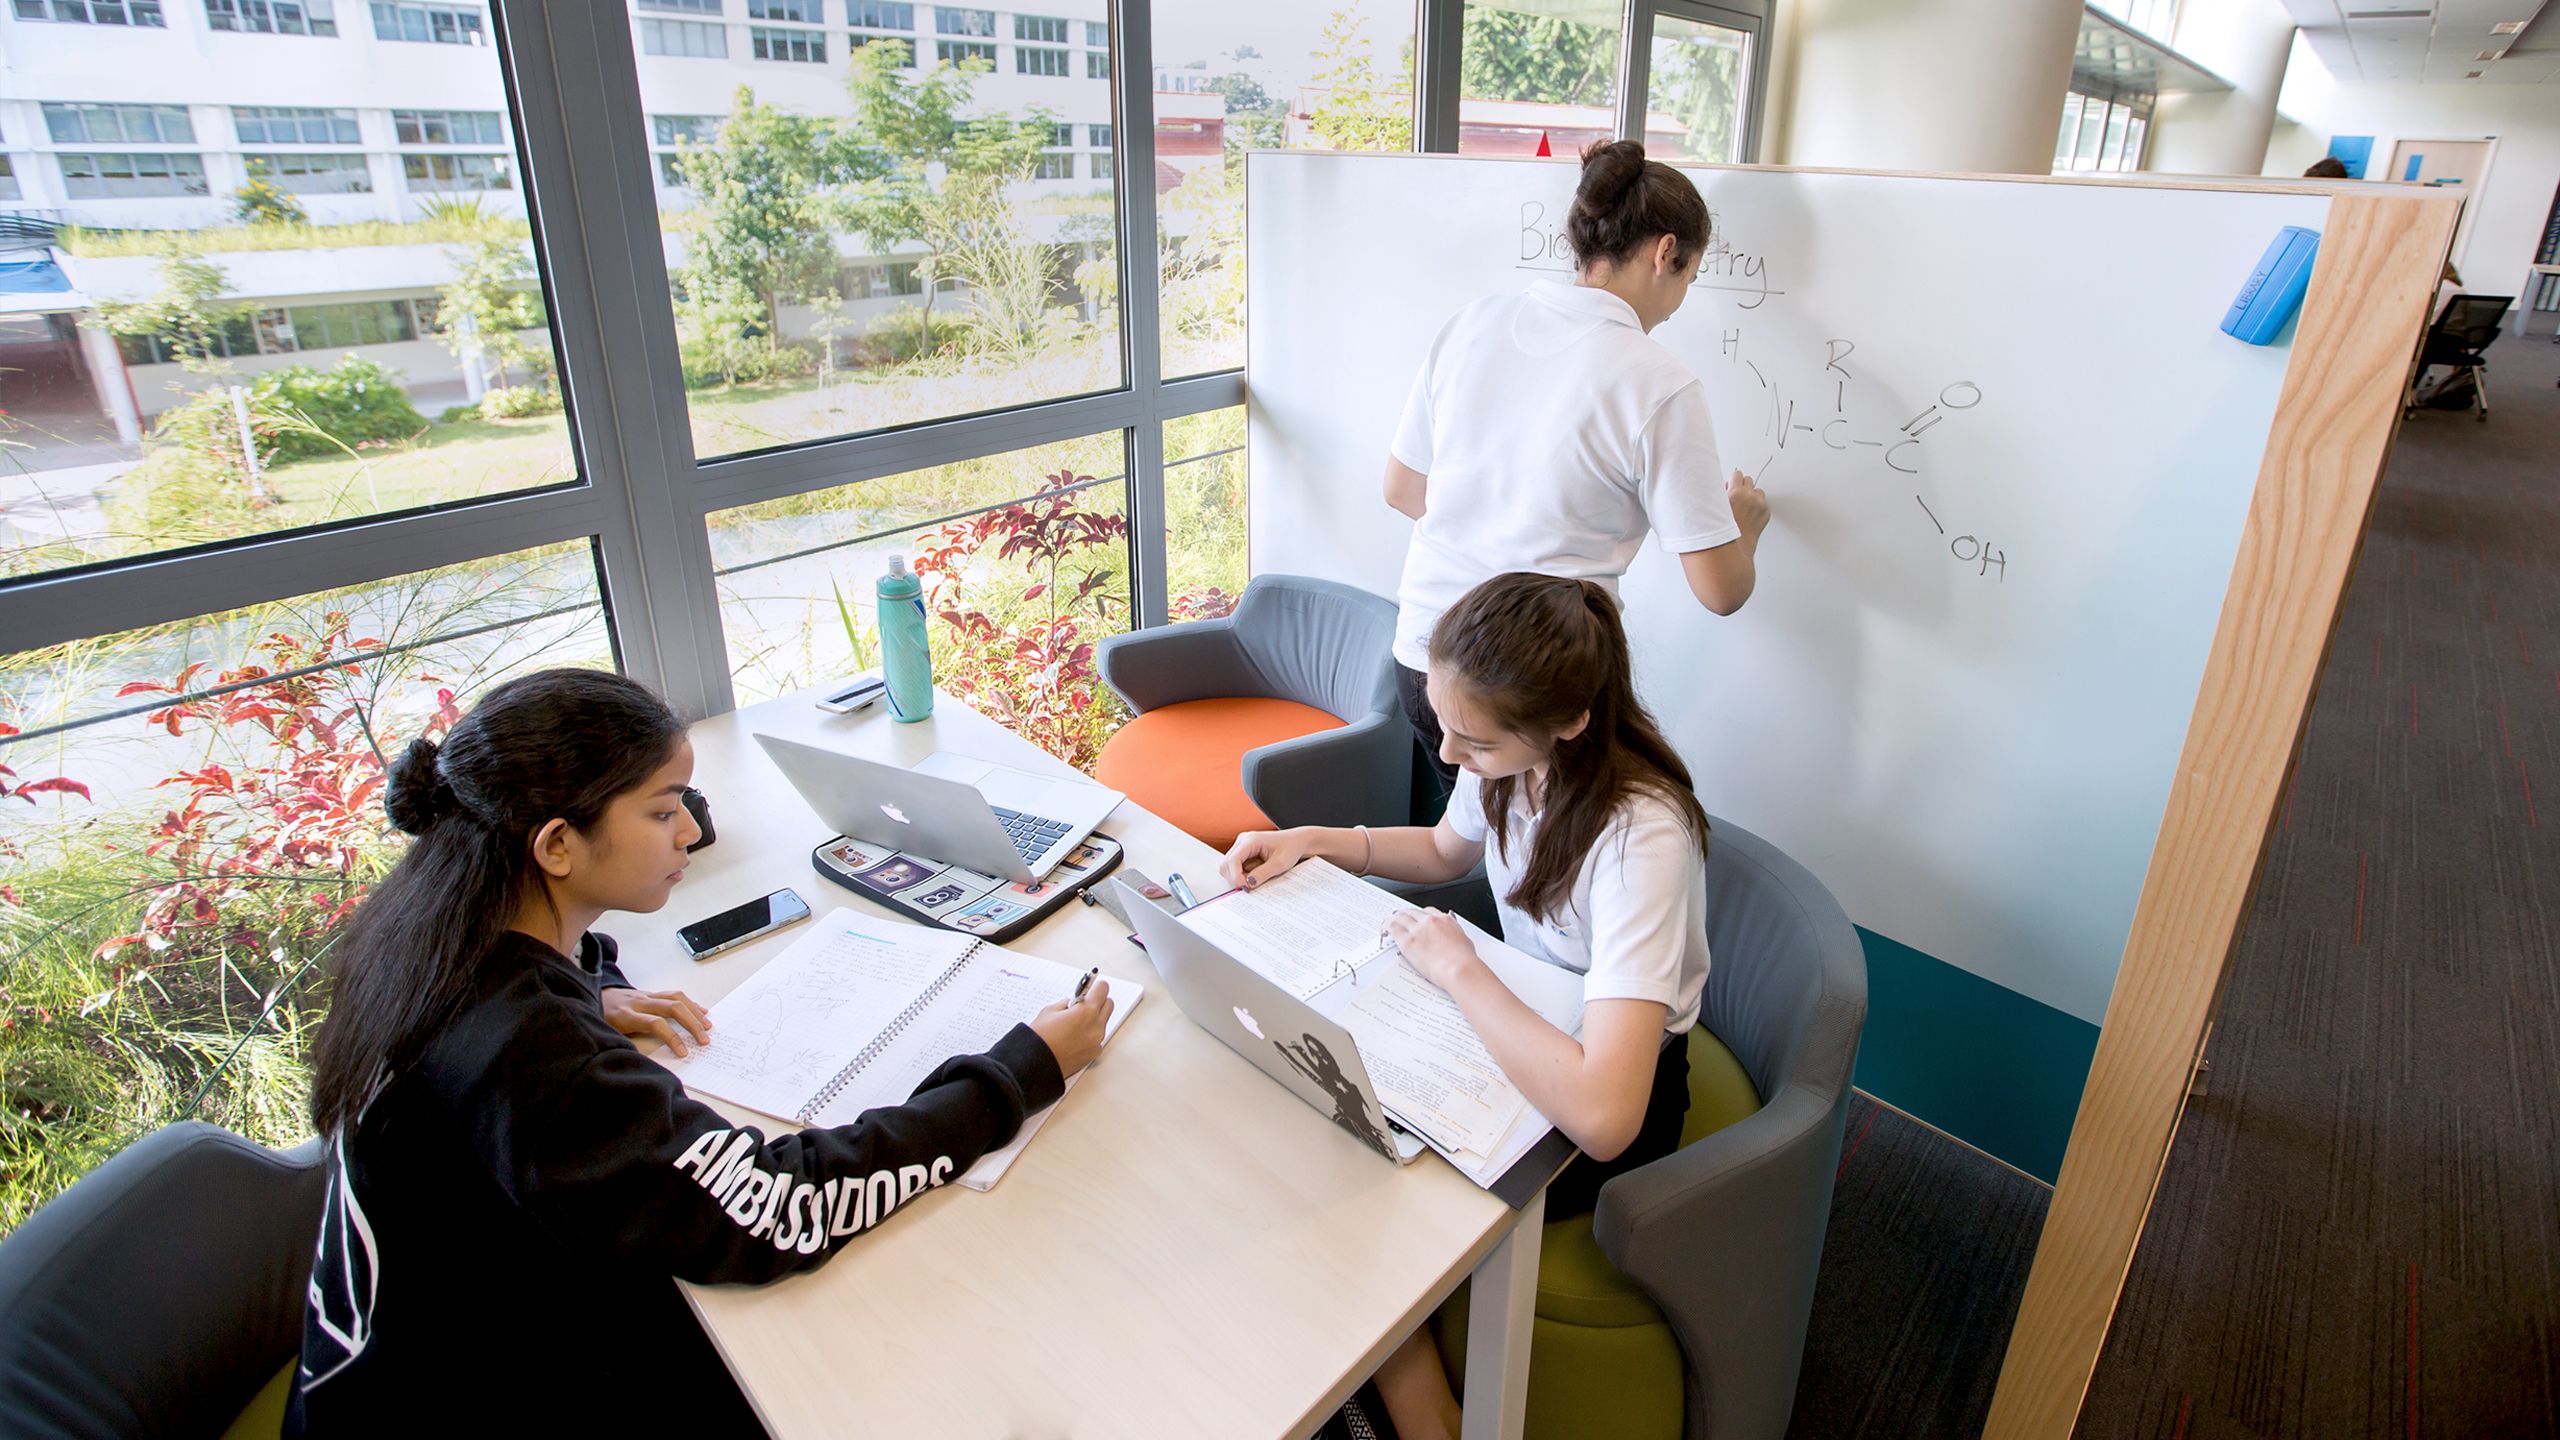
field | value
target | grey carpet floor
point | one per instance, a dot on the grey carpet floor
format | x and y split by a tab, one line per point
2358	1233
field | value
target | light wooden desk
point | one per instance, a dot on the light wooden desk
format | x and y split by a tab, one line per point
1185	1251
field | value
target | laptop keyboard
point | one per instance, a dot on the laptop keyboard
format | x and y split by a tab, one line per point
1030	834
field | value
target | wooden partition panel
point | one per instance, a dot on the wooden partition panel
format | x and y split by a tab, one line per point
2340	407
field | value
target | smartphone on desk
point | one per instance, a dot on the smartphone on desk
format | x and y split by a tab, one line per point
736	926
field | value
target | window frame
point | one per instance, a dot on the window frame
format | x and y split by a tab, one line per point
313	14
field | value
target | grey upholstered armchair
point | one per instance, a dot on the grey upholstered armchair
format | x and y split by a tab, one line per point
1313	642
1725	1235
157	1296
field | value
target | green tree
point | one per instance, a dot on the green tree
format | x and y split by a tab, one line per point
263	202
487	302
188	313
1698	82
1358	111
938	179
765	193
1512	56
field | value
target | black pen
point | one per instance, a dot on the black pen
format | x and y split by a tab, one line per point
1083	985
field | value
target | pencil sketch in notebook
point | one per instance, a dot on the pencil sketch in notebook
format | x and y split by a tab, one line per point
779	1037
1302	930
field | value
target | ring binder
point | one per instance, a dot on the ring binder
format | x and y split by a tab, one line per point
897	1025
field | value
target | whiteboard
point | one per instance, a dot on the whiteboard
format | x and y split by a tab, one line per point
2008	452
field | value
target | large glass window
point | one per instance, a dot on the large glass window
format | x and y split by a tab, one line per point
201	808
685	38
1025	561
817	178
273	17
1697	91
2100	134
1204	514
806	47
214	378
93	12
1299	76
1538	71
880	15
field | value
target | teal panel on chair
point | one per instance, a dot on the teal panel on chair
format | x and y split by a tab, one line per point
1982	1062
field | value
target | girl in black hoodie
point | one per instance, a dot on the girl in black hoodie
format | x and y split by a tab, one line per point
514	1187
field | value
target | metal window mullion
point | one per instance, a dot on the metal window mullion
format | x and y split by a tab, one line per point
1198	394
1439	35
1141	280
1635	68
752	479
160	590
595	199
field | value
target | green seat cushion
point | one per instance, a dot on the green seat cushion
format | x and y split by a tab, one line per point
1577	1286
263	1418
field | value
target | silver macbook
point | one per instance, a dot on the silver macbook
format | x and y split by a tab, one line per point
990	818
1284	1036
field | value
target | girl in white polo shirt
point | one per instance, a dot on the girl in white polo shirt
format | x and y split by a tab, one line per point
1596	847
1548	431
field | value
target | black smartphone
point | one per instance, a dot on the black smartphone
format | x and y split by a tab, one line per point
730	928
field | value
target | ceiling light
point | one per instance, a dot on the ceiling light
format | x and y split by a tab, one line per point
2509	27
2471	74
2489	55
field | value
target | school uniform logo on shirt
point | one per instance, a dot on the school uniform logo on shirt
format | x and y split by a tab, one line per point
345	1274
795	1214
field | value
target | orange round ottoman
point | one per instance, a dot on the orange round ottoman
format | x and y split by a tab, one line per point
1186	762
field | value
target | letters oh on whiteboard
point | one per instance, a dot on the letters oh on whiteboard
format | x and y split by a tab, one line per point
2009	451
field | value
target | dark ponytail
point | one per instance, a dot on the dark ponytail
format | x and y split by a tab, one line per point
556	744
1625	200
1537	651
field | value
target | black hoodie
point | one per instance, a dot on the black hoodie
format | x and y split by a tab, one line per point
501	1228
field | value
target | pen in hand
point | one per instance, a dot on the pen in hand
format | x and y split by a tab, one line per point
1083	985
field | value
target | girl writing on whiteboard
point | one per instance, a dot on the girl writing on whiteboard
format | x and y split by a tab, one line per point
1596	846
511	1183
1548	431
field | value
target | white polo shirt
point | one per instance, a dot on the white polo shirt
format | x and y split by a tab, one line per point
1637	927
1555	432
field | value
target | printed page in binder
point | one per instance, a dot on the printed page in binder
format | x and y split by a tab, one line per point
1303	930
779	1038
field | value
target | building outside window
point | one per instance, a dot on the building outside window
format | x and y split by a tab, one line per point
131	176
669	133
954	52
273	17
906	48
688	39
1040	29
8	179
805	47
94	12
449	127
880	15
449	174
331	174
691	7
75	124
429	24
1098	136
950	21
1102	167
339	327
293	125
1097	65
1035	60
1054	165
805	12
1097	33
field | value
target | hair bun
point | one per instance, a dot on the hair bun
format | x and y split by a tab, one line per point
1609	169
418	796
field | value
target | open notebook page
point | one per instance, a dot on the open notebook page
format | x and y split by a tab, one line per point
998	990
1302	930
780	1036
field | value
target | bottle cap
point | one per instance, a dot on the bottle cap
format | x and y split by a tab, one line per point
897	564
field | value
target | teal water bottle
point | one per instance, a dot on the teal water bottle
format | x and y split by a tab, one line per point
906	653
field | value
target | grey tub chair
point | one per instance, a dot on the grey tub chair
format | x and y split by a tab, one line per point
157	1295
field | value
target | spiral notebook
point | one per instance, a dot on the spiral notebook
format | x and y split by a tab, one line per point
861	1009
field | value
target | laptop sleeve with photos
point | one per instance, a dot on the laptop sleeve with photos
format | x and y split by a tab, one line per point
931	892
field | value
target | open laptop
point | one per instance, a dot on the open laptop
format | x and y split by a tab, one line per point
1284	1036
990	818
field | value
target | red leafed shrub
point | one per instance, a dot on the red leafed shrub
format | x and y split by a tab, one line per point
12	788
1208	602
1022	649
280	846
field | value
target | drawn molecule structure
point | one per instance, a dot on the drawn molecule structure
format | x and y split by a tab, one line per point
1789	420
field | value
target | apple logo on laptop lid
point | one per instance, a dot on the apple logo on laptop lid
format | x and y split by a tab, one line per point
894	813
1245	1018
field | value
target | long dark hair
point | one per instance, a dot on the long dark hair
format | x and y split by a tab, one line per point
1625	200
556	744
1537	651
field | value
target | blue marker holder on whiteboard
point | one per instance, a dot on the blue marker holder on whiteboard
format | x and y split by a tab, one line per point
2275	288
